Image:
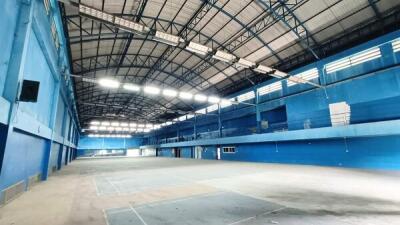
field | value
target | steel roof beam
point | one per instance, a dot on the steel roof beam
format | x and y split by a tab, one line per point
286	15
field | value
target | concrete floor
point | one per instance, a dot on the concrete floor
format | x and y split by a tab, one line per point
153	191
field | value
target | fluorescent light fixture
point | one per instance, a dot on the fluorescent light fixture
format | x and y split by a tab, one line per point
140	130
118	129
214	99
124	124
125	129
149	125
224	56
151	90
170	93
158	126
105	82
110	128
245	63
140	125
263	69
200	98
169	123
129	25
225	103
198	48
96	123
185	95
146	130
279	74
167	38
93	128
132	129
91	135
115	124
132	124
96	13
131	87
105	123
102	128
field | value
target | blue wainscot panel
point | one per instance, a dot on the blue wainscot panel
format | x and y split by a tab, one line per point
209	152
24	157
186	152
367	152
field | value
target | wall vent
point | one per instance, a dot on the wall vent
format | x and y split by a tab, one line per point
306	75
396	45
13	192
353	60
270	88
32	180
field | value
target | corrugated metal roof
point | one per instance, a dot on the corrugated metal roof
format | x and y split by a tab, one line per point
243	27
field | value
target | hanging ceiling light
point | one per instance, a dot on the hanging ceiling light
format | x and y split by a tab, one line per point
279	74
96	123
167	38
151	90
185	95
214	99
131	87
105	82
245	63
129	25
105	123
200	98
115	124
263	69
170	93
93	128
198	48
224	56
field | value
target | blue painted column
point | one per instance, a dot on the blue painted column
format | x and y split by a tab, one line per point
258	111
56	97
195	127
219	121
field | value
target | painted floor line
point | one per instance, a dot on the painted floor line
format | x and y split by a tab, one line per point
113	185
252	217
97	188
138	215
170	201
105	217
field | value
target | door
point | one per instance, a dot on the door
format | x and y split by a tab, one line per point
218	153
177	152
197	152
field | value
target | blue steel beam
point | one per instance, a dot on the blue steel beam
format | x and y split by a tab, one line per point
286	15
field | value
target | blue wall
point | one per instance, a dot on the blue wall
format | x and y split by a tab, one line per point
372	89
33	134
371	152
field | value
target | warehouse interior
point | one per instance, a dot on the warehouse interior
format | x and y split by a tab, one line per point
222	112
